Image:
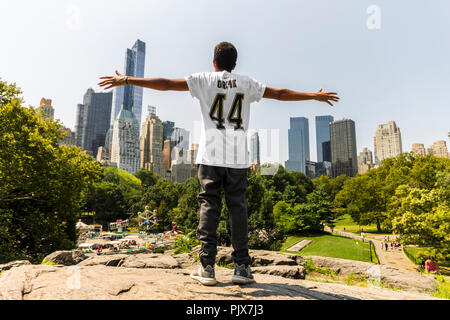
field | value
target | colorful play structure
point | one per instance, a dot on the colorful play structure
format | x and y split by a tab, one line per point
148	219
118	240
119	225
174	233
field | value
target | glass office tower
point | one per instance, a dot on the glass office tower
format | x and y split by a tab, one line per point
128	96
343	148
322	134
298	140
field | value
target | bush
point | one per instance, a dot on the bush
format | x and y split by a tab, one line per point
186	243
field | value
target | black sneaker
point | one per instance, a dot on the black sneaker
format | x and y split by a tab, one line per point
242	274
204	275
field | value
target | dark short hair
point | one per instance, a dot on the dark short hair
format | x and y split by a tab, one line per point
225	56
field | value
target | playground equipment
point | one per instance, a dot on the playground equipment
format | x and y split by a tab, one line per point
118	225
174	233
148	219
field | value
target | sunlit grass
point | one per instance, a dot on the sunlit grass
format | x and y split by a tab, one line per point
327	245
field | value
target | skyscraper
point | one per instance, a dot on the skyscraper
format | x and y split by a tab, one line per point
130	97
298	140
167	154
254	149
193	151
365	161
98	110
45	106
439	149
125	142
343	148
168	127
151	145
418	148
69	139
387	142
322	134
80	125
326	151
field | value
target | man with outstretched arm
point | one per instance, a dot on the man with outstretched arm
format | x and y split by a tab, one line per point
222	158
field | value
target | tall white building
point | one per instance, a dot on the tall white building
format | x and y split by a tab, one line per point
418	148
387	142
151	145
125	142
439	149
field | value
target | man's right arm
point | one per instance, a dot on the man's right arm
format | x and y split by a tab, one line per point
151	83
291	95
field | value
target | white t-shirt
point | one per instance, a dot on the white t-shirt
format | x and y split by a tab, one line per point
225	107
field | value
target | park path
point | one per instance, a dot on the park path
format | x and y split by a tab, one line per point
393	258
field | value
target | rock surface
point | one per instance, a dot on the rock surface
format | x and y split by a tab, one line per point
259	257
67	258
12	264
292	272
166	276
99	282
405	279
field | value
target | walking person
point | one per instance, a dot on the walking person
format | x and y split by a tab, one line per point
222	158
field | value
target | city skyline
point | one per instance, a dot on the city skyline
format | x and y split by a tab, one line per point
378	77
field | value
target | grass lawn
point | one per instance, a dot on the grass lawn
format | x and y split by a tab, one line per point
346	221
327	245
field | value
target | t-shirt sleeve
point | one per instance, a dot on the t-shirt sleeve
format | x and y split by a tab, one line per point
256	90
195	82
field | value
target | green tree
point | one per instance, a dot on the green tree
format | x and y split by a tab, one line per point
107	201
186	214
147	177
364	199
330	185
41	182
291	187
422	216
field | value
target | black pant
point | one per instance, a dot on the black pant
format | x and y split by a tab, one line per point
234	183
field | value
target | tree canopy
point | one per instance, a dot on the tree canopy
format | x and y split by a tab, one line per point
41	182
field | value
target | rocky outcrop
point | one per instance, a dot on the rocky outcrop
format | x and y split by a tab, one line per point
398	278
259	257
292	272
99	282
12	264
67	258
150	261
166	276
112	260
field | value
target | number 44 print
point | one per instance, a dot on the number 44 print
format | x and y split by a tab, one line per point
234	116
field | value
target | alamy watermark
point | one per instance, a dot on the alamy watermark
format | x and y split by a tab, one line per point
74	279
373	21
73	21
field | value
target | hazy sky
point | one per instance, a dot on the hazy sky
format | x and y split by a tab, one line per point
401	71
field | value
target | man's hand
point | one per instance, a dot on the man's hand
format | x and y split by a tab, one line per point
113	81
326	97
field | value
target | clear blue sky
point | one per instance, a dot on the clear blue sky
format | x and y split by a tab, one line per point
57	49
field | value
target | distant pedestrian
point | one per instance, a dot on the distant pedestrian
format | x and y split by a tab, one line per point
386	246
431	266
